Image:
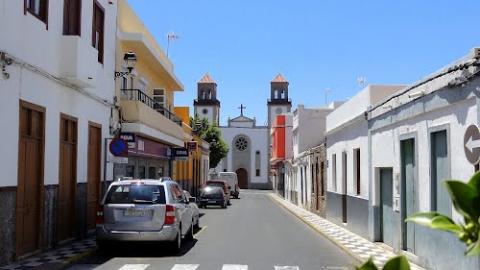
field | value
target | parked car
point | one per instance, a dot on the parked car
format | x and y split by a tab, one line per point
232	181
212	195
193	206
156	210
222	184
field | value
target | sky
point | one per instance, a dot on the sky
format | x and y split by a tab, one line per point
315	44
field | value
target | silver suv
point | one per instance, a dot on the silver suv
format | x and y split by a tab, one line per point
144	210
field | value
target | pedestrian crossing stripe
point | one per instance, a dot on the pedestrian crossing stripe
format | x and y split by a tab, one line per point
134	267
287	268
234	267
185	267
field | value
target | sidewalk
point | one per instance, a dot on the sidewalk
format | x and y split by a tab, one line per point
358	247
57	258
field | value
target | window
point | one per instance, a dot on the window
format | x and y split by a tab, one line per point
141	172
356	168
257	172
159	98
97	29
344	173
72	10
38	8
145	194
241	144
334	172
257	163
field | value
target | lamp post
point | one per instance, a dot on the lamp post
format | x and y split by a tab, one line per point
130	59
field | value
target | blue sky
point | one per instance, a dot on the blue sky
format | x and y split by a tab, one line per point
315	44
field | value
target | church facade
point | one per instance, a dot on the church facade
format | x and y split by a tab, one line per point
249	143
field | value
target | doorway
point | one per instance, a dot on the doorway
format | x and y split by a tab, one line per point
386	205
67	177
30	178
344	187
242	178
94	172
408	168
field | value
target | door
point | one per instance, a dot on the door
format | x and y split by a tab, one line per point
440	172
408	192
242	178
344	187
67	177
30	178
94	172
386	199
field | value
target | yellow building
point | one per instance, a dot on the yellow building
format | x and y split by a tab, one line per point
145	98
193	172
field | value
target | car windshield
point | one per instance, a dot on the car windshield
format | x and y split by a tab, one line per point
215	184
134	193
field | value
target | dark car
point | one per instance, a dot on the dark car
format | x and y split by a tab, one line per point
222	184
211	195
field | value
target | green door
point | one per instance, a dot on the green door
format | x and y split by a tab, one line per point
386	197
440	172
408	192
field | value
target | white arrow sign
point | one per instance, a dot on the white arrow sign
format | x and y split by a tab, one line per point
471	144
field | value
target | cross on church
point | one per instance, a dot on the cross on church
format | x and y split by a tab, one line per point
241	109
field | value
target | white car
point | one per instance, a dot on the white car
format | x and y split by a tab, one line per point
194	207
232	181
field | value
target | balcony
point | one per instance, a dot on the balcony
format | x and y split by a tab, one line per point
139	108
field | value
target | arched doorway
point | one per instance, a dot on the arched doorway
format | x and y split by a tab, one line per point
242	176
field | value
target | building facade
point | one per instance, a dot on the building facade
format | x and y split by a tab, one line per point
347	155
281	153
207	105
57	103
146	101
417	141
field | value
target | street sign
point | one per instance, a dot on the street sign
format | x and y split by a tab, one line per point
471	144
192	145
180	153
118	147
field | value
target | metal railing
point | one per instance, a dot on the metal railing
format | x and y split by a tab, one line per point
138	95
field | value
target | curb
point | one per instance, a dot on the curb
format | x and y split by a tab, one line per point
333	240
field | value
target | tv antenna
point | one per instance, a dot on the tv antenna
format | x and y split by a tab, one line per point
170	37
362	81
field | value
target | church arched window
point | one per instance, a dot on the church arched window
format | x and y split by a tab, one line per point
241	144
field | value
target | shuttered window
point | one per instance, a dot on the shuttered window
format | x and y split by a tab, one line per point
72	17
98	29
38	8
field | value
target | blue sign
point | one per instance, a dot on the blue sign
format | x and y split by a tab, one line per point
118	147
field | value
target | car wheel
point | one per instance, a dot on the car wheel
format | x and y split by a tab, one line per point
177	243
197	225
190	233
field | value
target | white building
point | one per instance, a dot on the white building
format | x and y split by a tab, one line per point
417	142
248	154
57	90
347	155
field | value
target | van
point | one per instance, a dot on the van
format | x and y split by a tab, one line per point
232	181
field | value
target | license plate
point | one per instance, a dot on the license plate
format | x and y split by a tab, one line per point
136	212
212	201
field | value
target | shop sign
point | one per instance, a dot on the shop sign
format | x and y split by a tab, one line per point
192	146
129	138
179	153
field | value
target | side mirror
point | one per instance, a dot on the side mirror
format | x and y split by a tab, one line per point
192	199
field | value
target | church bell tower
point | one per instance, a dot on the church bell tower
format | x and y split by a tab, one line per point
279	103
207	105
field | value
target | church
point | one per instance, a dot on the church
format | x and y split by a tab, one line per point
248	142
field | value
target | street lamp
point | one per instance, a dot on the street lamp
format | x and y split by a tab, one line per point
130	60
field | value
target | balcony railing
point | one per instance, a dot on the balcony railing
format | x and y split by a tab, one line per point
138	95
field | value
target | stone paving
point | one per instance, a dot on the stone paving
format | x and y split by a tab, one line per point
357	246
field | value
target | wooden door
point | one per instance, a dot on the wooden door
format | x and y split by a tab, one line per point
94	172
386	198
67	177
30	178
242	176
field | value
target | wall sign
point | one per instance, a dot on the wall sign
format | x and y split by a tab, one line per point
471	144
130	138
192	146
179	153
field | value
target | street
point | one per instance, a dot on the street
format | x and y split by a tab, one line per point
253	233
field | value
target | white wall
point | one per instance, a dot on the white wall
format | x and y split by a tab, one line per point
309	127
26	38
346	140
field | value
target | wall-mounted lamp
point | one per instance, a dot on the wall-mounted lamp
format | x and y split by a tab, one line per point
130	60
4	62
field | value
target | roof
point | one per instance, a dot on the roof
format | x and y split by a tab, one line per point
279	78
206	79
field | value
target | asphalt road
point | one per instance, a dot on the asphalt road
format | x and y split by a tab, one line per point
253	233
